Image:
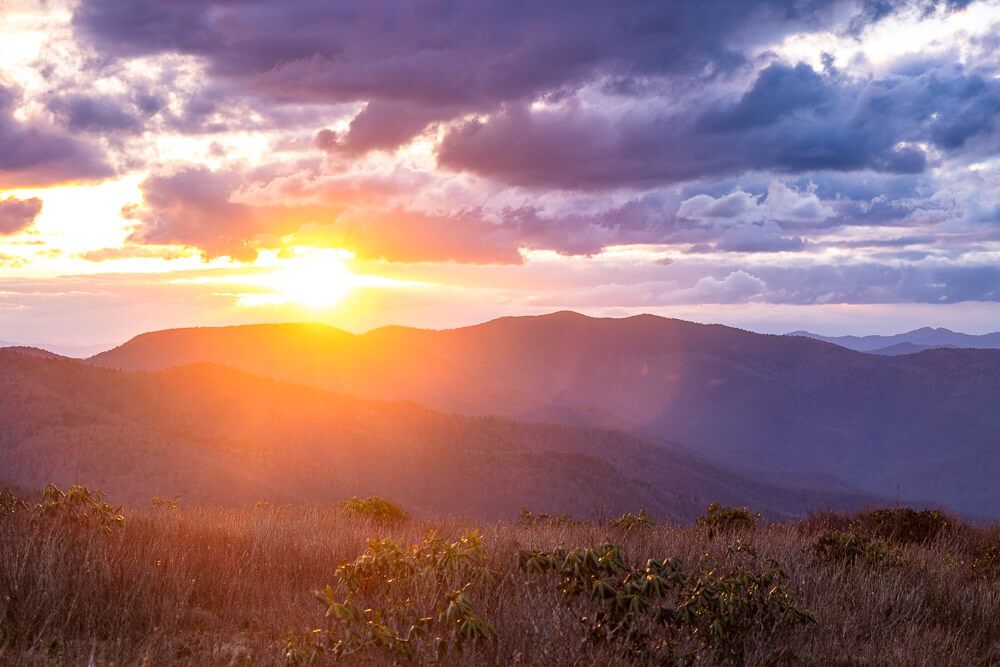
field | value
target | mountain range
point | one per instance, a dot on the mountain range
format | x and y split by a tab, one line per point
786	411
917	340
73	351
222	436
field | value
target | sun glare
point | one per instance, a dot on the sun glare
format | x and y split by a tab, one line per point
310	278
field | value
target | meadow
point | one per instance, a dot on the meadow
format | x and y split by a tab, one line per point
84	582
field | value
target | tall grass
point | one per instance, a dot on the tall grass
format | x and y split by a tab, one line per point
210	586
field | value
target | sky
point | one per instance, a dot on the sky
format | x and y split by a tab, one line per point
783	165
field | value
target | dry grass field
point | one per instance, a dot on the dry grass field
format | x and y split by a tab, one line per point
203	586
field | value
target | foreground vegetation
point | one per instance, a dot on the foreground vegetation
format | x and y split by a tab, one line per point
364	583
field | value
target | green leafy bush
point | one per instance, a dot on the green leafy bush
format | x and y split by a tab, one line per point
718	518
377	510
905	524
851	549
651	608
411	602
731	611
80	506
630	522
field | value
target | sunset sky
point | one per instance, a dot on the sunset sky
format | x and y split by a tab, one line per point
796	164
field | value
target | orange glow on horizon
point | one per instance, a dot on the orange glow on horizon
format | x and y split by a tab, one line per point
309	278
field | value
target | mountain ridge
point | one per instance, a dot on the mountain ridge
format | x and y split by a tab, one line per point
783	406
924	338
223	436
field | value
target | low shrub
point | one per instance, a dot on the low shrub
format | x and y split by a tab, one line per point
905	524
987	564
377	510
718	518
80	506
652	609
528	518
410	602
629	521
851	549
171	503
11	503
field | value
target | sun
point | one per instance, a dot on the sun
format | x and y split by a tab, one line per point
312	278
315	280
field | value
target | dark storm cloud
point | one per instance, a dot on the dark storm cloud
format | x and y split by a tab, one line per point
791	120
33	152
17	214
417	62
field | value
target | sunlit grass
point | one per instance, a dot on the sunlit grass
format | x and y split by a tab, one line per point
238	586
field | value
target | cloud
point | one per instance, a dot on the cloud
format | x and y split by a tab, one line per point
18	214
35	153
739	286
381	125
191	206
782	204
400	235
762	237
207	210
791	120
736	205
415	64
778	92
101	113
572	128
131	252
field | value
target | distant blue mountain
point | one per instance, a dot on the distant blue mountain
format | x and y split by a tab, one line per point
910	342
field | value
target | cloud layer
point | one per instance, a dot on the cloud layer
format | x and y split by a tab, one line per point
726	151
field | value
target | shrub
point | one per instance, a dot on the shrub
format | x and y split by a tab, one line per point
172	503
377	510
630	522
729	612
851	549
411	602
528	518
724	612
987	564
10	503
718	518
80	506
905	524
824	521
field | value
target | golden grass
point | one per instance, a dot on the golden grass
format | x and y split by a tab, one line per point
209	586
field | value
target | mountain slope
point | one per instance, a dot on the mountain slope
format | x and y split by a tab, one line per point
217	435
924	424
920	339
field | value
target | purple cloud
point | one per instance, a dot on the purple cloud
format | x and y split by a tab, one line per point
32	152
791	120
18	214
